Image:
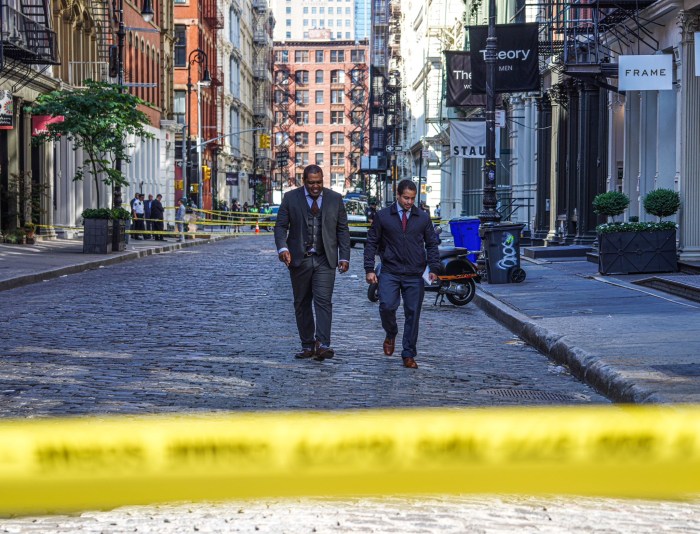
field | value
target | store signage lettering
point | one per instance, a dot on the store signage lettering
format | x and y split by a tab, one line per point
6	110
646	73
468	139
459	81
517	66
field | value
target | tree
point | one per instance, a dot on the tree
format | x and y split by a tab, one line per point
97	118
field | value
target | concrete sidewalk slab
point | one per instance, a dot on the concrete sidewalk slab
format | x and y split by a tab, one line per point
633	344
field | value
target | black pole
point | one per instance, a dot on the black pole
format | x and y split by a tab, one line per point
489	214
420	173
255	163
121	34
188	111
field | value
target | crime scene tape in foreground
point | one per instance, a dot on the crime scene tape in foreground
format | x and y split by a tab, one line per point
56	465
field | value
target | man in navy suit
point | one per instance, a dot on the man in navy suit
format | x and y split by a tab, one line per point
312	239
406	241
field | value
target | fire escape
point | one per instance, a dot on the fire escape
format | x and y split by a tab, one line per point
263	24
357	113
26	40
378	76
284	108
581	40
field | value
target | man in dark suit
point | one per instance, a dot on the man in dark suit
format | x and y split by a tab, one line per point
312	239
157	213
406	241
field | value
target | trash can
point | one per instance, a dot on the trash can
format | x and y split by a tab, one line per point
502	247
465	231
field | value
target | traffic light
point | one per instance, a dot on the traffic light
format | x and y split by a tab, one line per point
264	141
206	173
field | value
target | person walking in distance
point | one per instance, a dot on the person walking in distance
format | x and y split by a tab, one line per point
180	218
312	239
406	241
147	211
157	213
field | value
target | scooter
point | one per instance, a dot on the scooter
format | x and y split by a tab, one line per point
457	281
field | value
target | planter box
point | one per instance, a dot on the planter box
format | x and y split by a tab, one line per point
118	235
637	252
97	238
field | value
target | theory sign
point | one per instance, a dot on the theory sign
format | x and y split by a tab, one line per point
646	73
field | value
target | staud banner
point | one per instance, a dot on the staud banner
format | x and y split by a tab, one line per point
517	65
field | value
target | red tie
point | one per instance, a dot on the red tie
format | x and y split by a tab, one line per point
314	207
404	220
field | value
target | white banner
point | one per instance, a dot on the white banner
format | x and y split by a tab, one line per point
468	139
697	53
646	73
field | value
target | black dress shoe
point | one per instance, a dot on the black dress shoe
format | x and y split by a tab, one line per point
305	354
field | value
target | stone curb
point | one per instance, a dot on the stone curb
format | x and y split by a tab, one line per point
19	281
587	367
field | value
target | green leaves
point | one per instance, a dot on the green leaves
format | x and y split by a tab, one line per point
97	119
609	228
662	202
610	204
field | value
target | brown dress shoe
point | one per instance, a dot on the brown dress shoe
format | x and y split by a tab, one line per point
323	352
389	346
410	363
304	354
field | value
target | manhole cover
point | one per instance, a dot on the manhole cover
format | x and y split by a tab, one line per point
681	369
533	394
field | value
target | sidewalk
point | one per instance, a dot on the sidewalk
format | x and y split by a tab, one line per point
27	264
632	343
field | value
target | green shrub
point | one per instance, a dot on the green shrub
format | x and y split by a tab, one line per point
610	204
97	213
662	202
121	213
609	228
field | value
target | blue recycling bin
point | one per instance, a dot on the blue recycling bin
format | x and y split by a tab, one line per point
465	231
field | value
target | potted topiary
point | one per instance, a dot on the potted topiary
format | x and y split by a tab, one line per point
29	228
637	247
98	225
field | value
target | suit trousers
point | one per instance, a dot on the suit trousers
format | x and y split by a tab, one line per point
392	288
312	282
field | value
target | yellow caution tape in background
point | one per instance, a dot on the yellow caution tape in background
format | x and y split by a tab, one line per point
52	465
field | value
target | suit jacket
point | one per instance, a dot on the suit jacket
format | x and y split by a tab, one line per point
291	226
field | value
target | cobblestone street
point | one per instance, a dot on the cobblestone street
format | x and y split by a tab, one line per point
211	328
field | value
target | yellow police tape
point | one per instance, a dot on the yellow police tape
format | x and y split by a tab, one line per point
52	465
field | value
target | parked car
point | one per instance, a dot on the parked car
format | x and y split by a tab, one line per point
271	217
357	220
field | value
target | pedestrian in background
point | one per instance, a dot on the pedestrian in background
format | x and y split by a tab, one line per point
312	239
180	218
147	212
157	213
236	209
404	236
138	215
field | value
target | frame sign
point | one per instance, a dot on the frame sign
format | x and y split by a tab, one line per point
6	110
468	139
645	73
517	63
232	178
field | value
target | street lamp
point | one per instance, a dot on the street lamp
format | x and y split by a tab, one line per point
489	214
420	167
196	56
147	14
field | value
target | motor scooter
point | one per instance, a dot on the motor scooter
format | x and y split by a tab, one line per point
457	281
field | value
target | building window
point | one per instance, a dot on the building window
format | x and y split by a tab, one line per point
179	106
357	117
319	117
347	35
319	76
337	117
356	75
288	10
288	35
302	77
337	159
281	117
357	56
319	158
301	159
337	56
356	139
313	10
301	138
337	96
330	10
319	97
337	76
302	118
306	10
321	11
302	97
339	35
319	57
281	138
337	138
306	22
358	96
338	180
301	56
288	23
281	56
330	23
282	77
319	138
180	45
